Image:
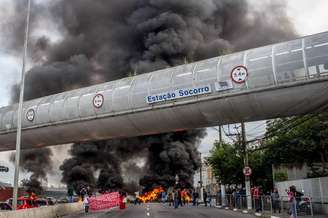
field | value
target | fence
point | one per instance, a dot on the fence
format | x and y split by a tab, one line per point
302	207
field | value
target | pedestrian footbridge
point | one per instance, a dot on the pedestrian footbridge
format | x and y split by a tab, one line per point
279	80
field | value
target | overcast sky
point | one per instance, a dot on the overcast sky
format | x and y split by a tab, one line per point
308	16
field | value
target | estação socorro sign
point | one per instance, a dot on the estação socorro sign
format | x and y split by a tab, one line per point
179	93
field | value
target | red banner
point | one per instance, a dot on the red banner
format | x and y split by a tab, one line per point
105	201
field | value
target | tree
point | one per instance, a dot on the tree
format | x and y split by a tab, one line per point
227	163
299	140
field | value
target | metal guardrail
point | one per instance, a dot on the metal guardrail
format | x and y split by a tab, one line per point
265	206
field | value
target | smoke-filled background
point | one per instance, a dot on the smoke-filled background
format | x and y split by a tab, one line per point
103	40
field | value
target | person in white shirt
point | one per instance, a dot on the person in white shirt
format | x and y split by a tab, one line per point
86	203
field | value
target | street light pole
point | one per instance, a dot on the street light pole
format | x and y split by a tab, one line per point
247	178
20	108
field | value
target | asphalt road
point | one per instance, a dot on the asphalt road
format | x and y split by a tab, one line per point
163	211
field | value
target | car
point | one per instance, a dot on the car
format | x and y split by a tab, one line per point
5	206
51	201
62	201
23	203
41	202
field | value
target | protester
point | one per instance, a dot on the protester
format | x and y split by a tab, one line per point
205	197
179	198
163	197
86	203
194	197
170	198
256	196
83	193
175	199
275	201
294	197
122	201
70	193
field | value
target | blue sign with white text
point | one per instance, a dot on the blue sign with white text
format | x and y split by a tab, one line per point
179	93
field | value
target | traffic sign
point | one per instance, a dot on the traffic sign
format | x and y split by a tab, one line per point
98	100
4	169
30	114
239	74
247	171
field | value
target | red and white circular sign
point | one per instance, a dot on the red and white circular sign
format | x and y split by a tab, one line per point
30	114
247	171
239	74
98	100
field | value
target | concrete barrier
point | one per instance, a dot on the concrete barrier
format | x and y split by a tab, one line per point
45	212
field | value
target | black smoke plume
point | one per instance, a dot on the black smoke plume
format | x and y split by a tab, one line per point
38	163
109	39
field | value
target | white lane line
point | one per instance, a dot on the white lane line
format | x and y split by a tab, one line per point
148	214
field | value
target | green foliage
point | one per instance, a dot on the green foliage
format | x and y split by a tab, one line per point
306	141
280	176
227	164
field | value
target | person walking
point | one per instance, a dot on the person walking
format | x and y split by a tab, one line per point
275	198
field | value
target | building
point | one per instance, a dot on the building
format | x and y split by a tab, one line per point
207	179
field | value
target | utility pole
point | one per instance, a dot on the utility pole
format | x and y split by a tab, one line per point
246	164
201	176
222	185
20	108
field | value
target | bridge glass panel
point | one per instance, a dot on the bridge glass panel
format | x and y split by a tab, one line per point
71	105
259	65
289	61
182	76
1	117
56	111
121	94
139	91
316	49
207	70
42	110
7	120
161	80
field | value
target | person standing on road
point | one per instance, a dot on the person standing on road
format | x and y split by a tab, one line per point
256	197
292	200
275	198
122	201
170	198
179	198
175	199
194	197
70	193
205	197
86	203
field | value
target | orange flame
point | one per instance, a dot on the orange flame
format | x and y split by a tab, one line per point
151	195
186	196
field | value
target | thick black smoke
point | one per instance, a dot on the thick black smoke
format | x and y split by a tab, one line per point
167	155
109	39
38	163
